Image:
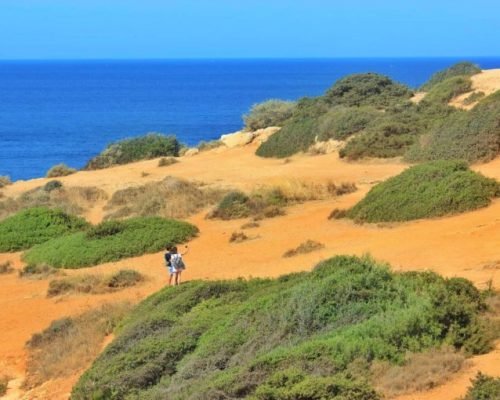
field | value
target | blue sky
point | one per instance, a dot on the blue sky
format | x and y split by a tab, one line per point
68	29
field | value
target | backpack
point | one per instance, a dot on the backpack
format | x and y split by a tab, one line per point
177	263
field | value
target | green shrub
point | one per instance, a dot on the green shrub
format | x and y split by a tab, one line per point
232	206
424	191
295	337
268	113
459	69
37	271
472	136
367	90
446	90
341	122
5	181
60	170
36	225
111	241
146	147
483	387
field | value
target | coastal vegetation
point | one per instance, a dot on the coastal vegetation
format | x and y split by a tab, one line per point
4	181
268	113
376	118
36	225
166	161
169	198
308	336
95	284
307	247
60	170
152	145
111	241
428	190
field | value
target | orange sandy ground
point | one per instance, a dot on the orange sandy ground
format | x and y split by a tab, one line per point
466	245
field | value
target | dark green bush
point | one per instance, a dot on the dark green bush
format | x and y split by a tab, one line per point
232	206
367	90
483	387
459	69
428	190
36	225
60	170
152	145
111	241
268	113
295	337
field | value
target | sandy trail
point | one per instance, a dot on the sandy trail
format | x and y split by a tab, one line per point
465	245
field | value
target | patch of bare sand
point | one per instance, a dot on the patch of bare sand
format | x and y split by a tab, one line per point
487	81
464	245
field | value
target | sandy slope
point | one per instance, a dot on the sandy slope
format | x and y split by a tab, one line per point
487	81
465	245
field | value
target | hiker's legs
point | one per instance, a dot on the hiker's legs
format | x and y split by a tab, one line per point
179	277
170	277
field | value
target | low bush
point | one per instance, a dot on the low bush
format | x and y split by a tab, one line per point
5	181
60	170
212	144
459	69
36	225
307	247
300	336
6	268
38	271
428	190
483	387
268	113
146	147
238	237
446	90
52	185
169	198
233	205
111	241
341	122
250	225
166	161
338	213
69	344
94	284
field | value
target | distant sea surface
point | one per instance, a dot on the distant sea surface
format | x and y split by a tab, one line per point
68	111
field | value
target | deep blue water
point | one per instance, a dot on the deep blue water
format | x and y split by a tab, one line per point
68	111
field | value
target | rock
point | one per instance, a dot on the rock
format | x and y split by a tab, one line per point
261	135
237	139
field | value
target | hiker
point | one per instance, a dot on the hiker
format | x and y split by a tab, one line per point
177	264
168	264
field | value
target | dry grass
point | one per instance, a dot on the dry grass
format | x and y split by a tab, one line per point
250	225
294	190
72	200
421	371
166	161
4	383
170	198
238	237
60	170
338	214
307	247
6	268
41	271
69	344
4	181
94	284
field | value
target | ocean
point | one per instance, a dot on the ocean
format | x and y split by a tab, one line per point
68	111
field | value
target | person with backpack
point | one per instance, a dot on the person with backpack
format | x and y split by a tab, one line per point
177	263
168	264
